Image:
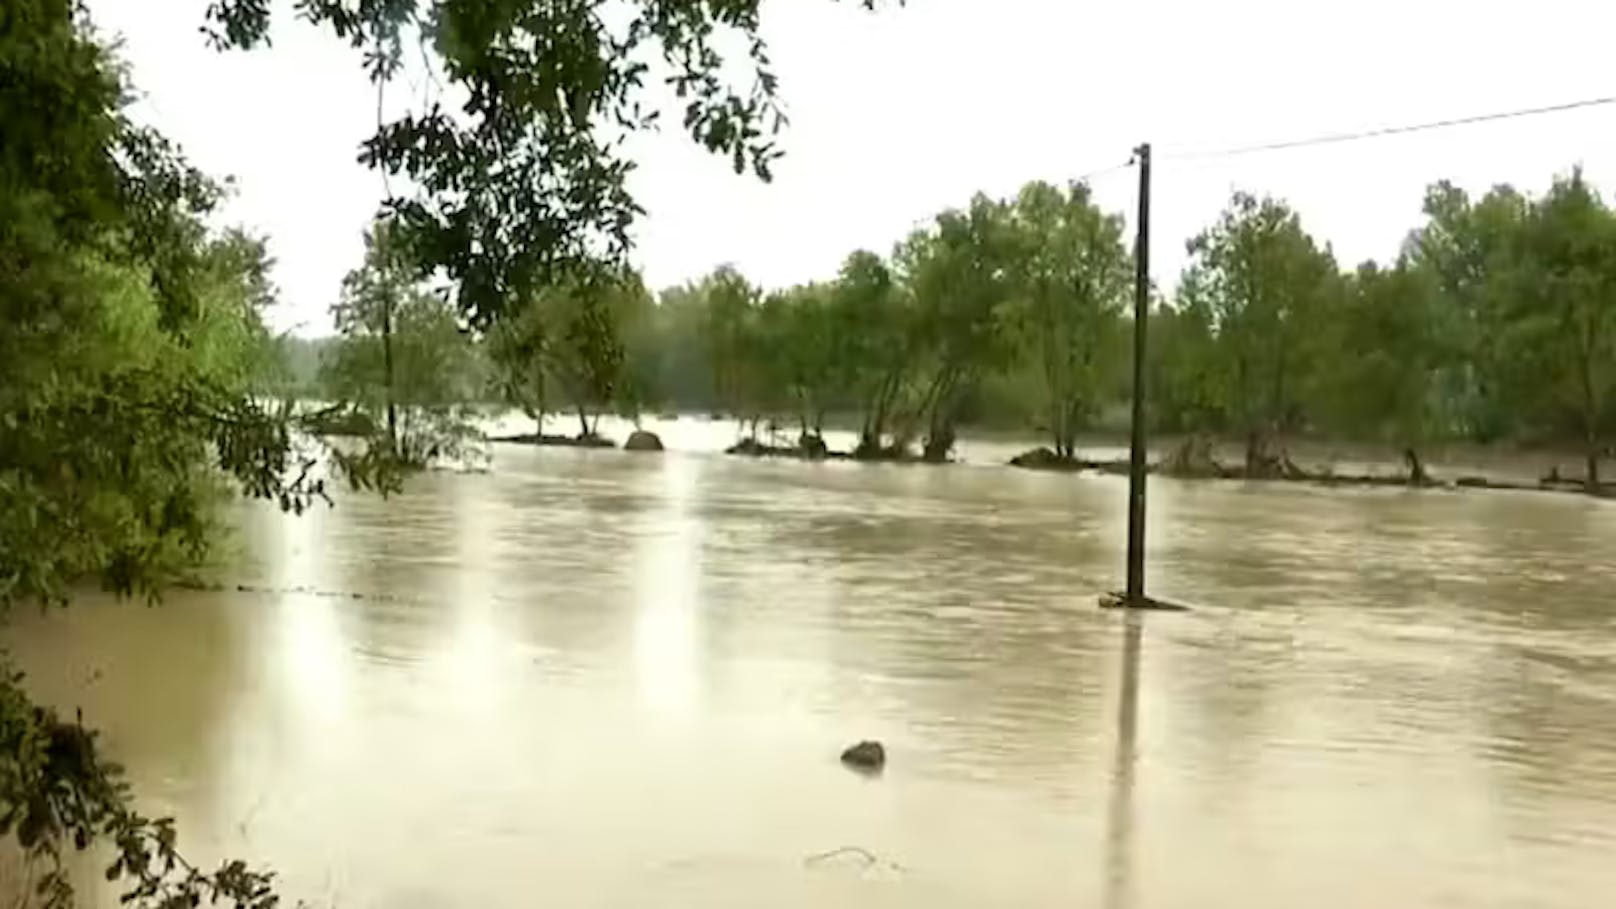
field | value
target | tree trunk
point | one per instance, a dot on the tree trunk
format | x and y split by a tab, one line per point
1057	430
1255	453
1416	468
1593	467
583	422
387	367
939	442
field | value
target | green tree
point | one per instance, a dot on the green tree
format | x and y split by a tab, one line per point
525	182
586	359
125	369
1265	281
1071	276
403	360
682	351
131	350
958	274
731	305
872	326
1471	252
518	348
1391	344
1564	311
797	337
1189	380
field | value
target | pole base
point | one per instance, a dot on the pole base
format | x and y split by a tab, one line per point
1119	600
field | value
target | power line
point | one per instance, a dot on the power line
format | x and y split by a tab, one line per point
1330	138
1104	171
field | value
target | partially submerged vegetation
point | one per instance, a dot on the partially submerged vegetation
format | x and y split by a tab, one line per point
1495	325
138	384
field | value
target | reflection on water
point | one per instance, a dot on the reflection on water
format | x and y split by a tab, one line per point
603	679
1119	819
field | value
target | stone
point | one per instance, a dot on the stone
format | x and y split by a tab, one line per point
866	755
643	440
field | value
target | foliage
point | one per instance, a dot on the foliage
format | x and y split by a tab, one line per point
1468	248
132	357
872	324
1563	318
525	182
736	355
1390	345
403	361
957	272
1072	277
1265	282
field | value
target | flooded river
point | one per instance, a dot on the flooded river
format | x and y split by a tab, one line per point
601	679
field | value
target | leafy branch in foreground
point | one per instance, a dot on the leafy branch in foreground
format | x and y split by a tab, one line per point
56	789
526	180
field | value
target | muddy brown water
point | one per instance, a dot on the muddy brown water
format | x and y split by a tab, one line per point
605	679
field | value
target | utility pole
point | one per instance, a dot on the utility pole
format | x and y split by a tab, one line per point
1135	595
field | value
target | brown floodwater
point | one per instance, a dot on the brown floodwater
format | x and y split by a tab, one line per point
602	679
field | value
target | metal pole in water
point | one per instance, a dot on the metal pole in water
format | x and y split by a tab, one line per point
1136	454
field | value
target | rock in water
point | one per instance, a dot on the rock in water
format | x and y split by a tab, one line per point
641	440
866	755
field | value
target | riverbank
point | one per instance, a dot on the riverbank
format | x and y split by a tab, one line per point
562	441
1193	459
1314	461
815	449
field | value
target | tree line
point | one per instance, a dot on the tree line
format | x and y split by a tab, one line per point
1495	322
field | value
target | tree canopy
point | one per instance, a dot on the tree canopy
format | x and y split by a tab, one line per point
522	172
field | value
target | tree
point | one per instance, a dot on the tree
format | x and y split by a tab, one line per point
1071	276
798	346
958	274
730	304
518	349
1470	250
586	359
1265	280
872	326
402	358
682	349
128	362
638	384
1188	374
1564	315
525	181
1391	344
131	352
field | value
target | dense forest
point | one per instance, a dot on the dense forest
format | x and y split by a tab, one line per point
1495	323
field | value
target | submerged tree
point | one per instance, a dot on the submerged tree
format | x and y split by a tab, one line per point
1564	313
1265	281
959	276
1071	276
872	325
798	347
1381	375
730	305
402	357
1469	251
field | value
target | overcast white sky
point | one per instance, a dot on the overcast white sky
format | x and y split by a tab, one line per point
900	114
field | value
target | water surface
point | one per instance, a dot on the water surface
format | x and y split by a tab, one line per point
606	679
